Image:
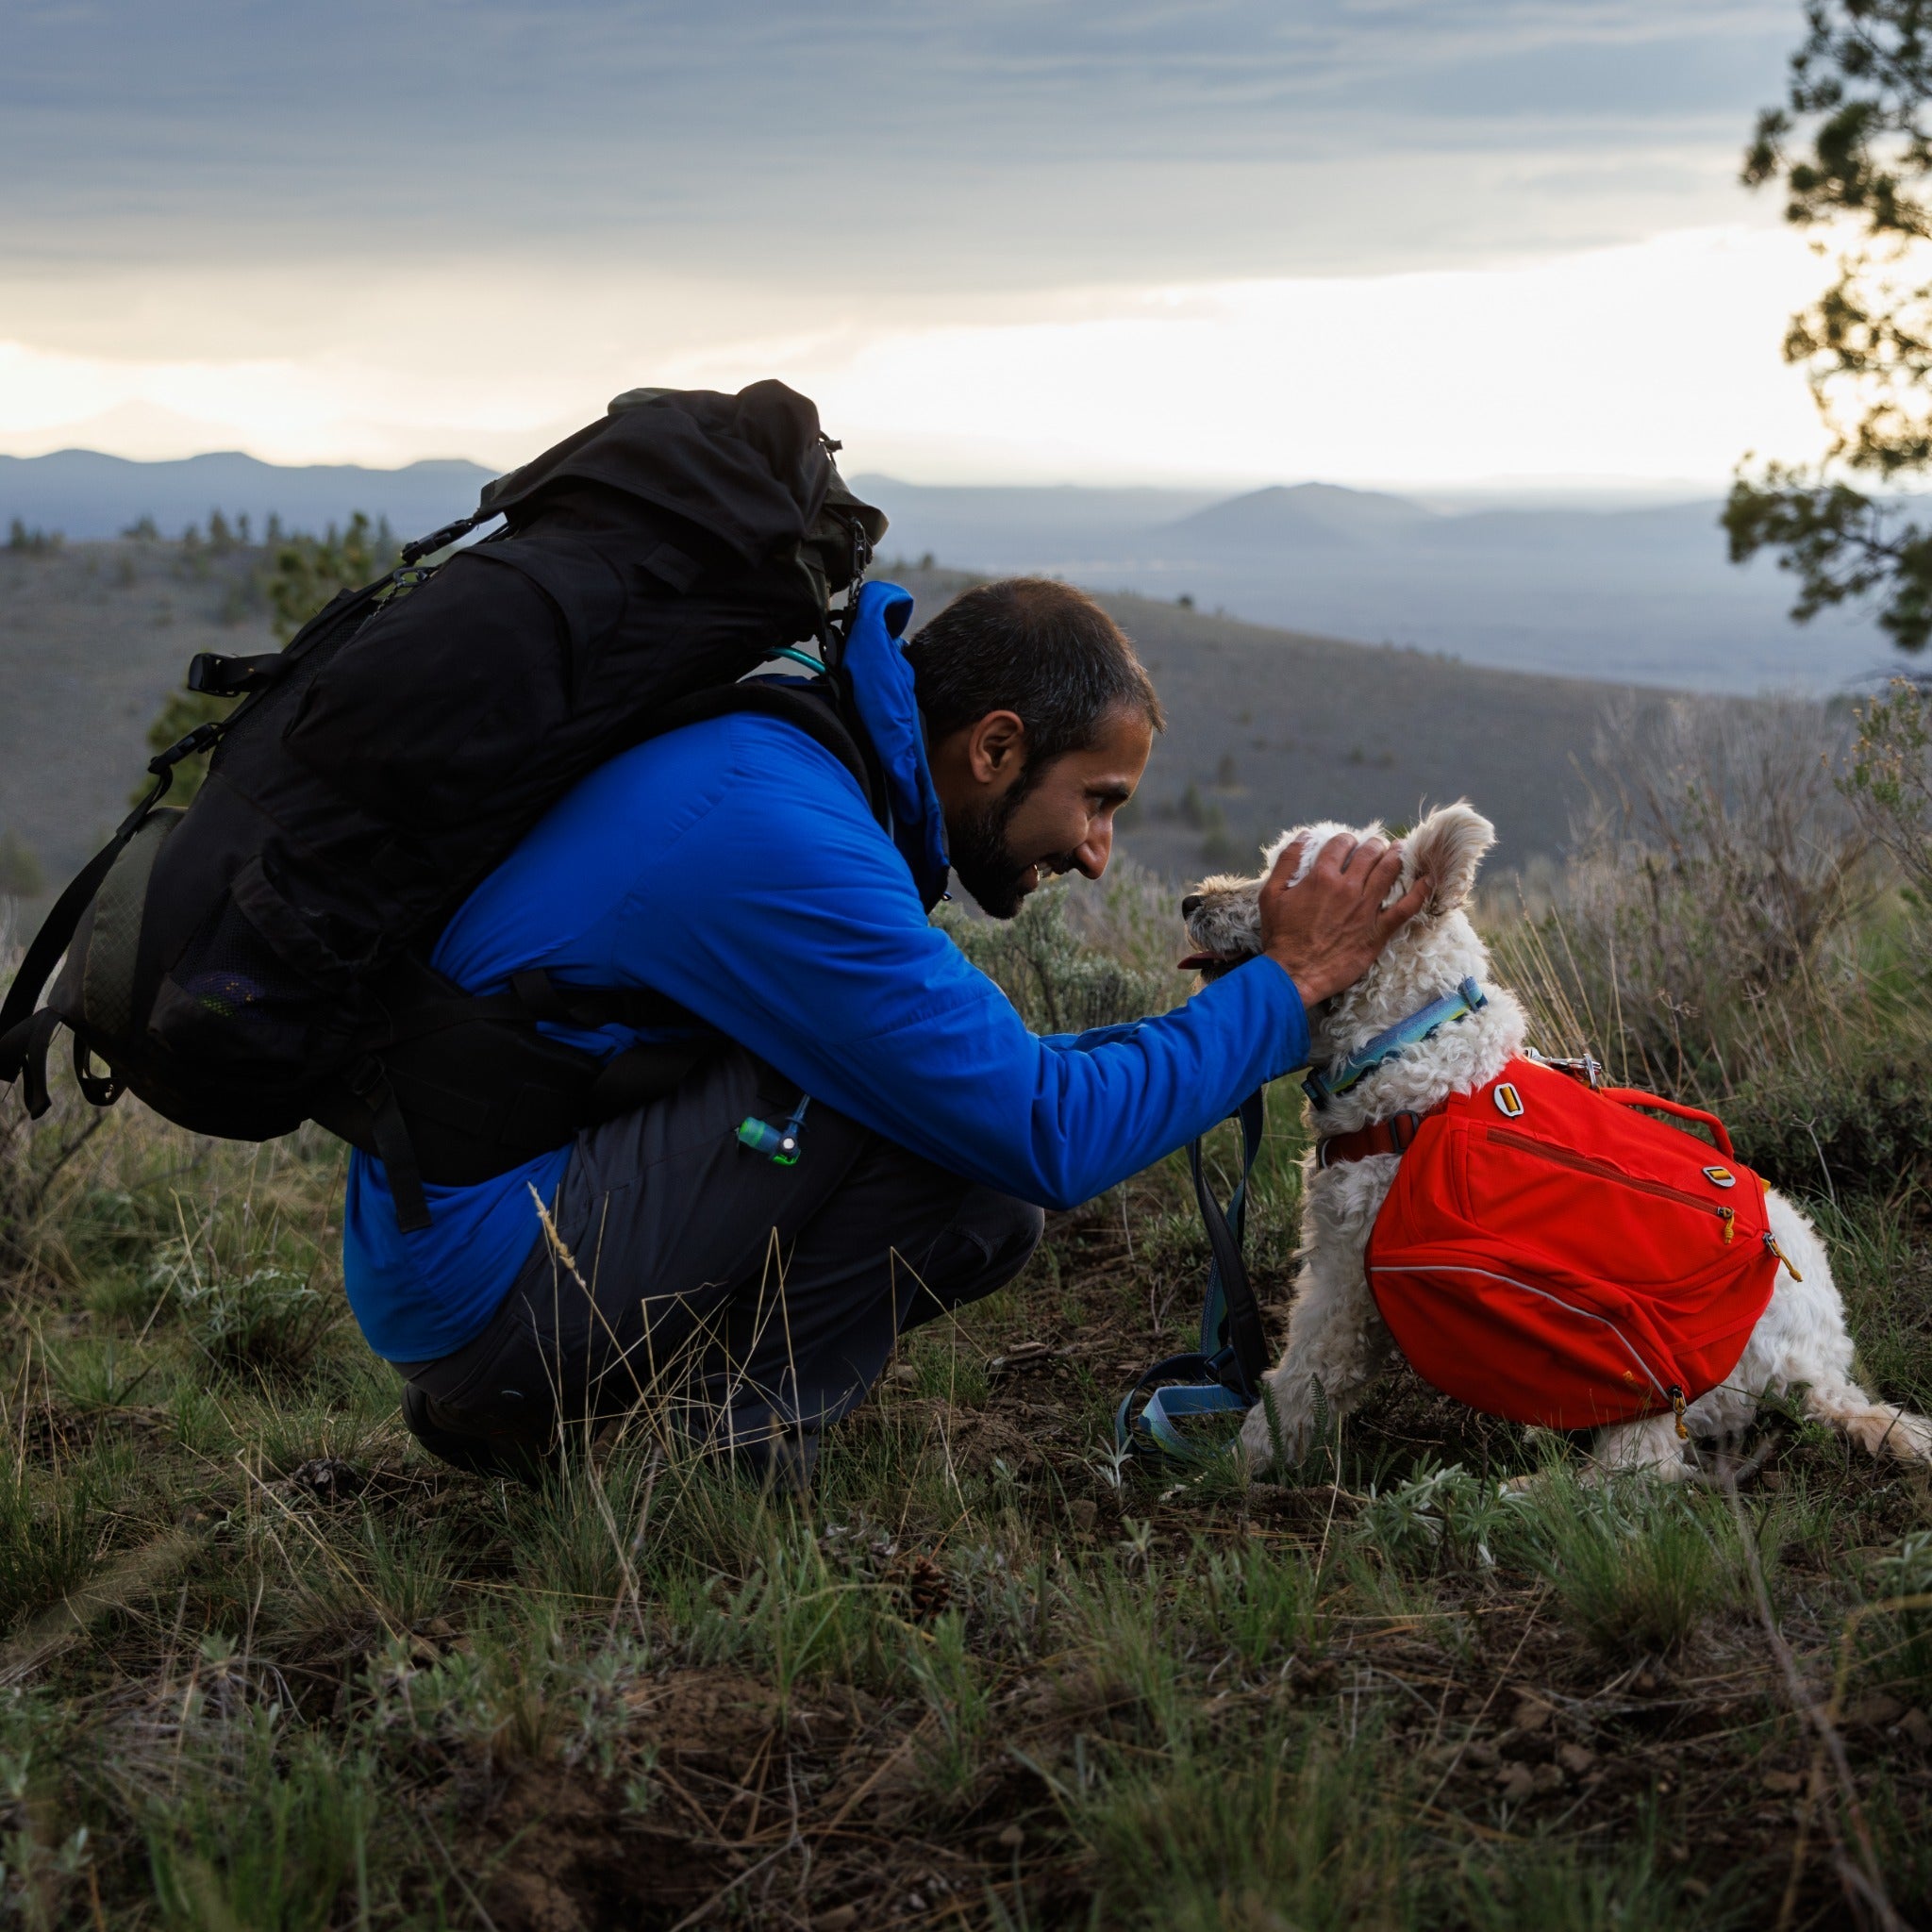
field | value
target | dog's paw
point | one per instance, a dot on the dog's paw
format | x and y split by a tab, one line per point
1256	1443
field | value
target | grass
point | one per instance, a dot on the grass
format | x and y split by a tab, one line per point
267	1665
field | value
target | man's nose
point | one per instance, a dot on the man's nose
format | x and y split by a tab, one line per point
1191	905
1090	859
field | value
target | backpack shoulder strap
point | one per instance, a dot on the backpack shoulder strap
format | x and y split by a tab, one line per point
818	709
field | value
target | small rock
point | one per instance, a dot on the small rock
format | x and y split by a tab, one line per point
1873	1711
1482	1752
1575	1758
1787	1783
903	1373
1531	1715
1917	1729
1083	1511
1012	1838
915	1902
838	1920
1645	1682
1772	1479
1547	1777
1517	1781
1698	1888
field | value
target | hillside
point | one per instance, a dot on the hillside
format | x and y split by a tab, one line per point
1275	727
1266	726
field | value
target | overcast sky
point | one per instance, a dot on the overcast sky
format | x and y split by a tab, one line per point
1388	240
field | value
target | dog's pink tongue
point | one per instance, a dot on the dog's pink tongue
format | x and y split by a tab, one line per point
1194	961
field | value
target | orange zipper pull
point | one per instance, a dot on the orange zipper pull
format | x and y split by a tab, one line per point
1728	1216
1677	1397
1784	1260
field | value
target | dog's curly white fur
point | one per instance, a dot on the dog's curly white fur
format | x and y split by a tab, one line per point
1336	1342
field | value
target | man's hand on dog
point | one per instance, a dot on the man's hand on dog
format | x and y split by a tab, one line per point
1327	930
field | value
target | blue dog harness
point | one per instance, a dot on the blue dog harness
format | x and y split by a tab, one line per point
1391	1045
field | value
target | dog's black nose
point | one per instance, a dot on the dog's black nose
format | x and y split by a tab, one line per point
1191	905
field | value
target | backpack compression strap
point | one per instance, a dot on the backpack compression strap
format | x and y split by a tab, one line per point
1226	1371
20	1040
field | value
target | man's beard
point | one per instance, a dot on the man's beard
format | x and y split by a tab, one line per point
984	862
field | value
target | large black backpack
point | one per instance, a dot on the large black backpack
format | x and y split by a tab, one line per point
260	958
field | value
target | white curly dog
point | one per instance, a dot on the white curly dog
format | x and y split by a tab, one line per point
1336	1342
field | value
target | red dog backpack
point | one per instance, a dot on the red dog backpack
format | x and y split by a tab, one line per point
1551	1255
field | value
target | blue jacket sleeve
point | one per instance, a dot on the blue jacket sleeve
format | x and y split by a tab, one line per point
819	957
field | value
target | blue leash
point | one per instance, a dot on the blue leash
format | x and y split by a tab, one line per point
1224	1375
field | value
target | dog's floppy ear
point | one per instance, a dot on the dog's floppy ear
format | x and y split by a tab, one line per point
1448	845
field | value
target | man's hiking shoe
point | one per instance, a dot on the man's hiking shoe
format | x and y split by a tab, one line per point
475	1454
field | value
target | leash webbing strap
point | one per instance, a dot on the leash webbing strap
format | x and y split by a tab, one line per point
1231	1320
1222	1378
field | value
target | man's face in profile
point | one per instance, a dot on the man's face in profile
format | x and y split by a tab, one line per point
1056	820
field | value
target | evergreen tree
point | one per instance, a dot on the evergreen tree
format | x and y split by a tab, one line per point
1852	149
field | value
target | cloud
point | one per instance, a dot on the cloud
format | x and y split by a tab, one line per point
1003	142
1659	359
981	228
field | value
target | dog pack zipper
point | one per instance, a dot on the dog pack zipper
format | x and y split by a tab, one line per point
1564	1156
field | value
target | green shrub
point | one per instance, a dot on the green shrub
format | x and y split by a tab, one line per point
1058	981
267	1323
1839	1130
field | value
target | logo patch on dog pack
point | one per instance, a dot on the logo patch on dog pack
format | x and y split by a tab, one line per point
1720	1177
1509	1101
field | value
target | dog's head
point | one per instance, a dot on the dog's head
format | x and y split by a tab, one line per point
1428	956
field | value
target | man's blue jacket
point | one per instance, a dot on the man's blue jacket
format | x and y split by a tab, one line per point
734	865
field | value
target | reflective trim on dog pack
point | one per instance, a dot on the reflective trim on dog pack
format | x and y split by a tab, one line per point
1568	1265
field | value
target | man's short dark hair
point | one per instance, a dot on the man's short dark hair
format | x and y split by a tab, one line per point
1036	647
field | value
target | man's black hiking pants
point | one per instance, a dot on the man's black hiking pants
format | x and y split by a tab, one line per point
723	1301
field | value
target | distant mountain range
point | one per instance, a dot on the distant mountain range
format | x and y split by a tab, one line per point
84	494
1644	595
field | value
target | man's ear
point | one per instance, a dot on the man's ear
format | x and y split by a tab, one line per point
996	748
1448	846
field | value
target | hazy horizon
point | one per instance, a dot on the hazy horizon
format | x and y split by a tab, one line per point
1422	245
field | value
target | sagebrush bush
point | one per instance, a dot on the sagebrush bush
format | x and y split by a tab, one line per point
1856	1128
1713	870
267	1322
1890	783
1058	979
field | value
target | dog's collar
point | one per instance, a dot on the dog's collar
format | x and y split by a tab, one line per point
1391	1045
